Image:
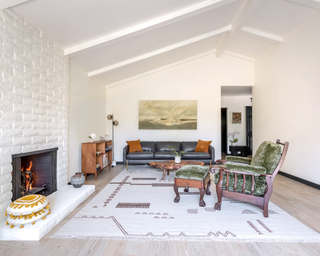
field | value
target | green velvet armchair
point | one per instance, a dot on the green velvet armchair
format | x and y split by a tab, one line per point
250	180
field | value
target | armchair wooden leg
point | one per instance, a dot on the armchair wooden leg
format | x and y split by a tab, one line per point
217	206
208	192
186	189
201	202
267	197
177	198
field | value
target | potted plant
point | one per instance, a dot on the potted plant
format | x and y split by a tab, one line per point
92	136
234	139
177	158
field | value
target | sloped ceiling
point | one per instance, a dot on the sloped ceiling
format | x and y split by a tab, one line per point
114	40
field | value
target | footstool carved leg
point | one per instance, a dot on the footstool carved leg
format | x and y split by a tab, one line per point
217	206
208	192
164	174
177	199
201	202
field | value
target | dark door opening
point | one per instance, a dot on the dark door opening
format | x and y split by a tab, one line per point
249	128
224	132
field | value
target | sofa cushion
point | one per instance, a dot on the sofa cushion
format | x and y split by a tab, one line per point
134	146
147	145
140	155
203	146
196	155
188	146
162	146
164	155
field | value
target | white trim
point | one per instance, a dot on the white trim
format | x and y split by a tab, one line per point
9	3
161	68
151	24
310	3
239	56
159	51
262	35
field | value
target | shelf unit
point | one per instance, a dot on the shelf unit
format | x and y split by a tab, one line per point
90	158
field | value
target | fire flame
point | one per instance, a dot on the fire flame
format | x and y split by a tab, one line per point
30	166
28	178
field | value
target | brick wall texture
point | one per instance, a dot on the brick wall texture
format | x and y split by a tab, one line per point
33	98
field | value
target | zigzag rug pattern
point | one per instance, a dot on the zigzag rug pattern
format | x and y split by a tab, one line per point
137	204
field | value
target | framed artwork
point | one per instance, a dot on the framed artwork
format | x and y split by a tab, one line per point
236	117
168	114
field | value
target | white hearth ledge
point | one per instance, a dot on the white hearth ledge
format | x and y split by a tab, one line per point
62	202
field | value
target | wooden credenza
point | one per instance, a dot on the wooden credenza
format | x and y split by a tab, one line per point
90	158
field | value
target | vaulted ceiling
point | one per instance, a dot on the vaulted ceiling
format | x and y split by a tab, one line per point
113	40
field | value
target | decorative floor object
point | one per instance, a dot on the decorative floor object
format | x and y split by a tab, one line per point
62	202
138	204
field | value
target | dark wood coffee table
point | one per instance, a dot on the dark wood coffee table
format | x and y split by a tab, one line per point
171	165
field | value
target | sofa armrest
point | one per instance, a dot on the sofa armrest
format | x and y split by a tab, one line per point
239	159
212	154
125	152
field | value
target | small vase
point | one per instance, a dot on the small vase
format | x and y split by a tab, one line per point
77	180
91	140
177	159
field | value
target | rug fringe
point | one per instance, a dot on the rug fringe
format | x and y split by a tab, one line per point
189	239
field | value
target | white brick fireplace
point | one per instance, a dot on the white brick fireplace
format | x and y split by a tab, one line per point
33	98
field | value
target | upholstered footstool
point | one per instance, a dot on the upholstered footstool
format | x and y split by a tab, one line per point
193	176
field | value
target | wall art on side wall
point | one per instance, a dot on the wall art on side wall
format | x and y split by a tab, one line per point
168	114
236	117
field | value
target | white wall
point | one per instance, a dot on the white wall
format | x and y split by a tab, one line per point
286	99
236	104
198	79
34	98
87	113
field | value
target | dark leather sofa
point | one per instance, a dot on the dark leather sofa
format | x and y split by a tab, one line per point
159	150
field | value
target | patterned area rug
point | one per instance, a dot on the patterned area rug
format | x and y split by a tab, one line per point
137	204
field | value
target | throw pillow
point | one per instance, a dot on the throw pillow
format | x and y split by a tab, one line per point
202	146
134	146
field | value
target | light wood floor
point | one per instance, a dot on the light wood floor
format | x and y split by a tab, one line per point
299	200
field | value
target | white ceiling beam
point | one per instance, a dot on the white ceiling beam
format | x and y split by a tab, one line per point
244	14
310	3
160	51
8	3
149	25
262	35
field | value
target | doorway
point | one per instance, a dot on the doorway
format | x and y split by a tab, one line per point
236	119
249	128
224	133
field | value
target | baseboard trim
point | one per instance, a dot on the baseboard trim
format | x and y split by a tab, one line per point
306	182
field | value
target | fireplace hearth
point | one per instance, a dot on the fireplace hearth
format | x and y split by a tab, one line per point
34	173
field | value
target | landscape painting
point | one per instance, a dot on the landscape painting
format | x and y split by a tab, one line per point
168	114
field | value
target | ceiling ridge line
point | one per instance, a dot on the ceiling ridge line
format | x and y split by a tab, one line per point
149	25
161	68
159	51
245	13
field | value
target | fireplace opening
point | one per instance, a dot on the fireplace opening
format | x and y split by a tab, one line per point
34	173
